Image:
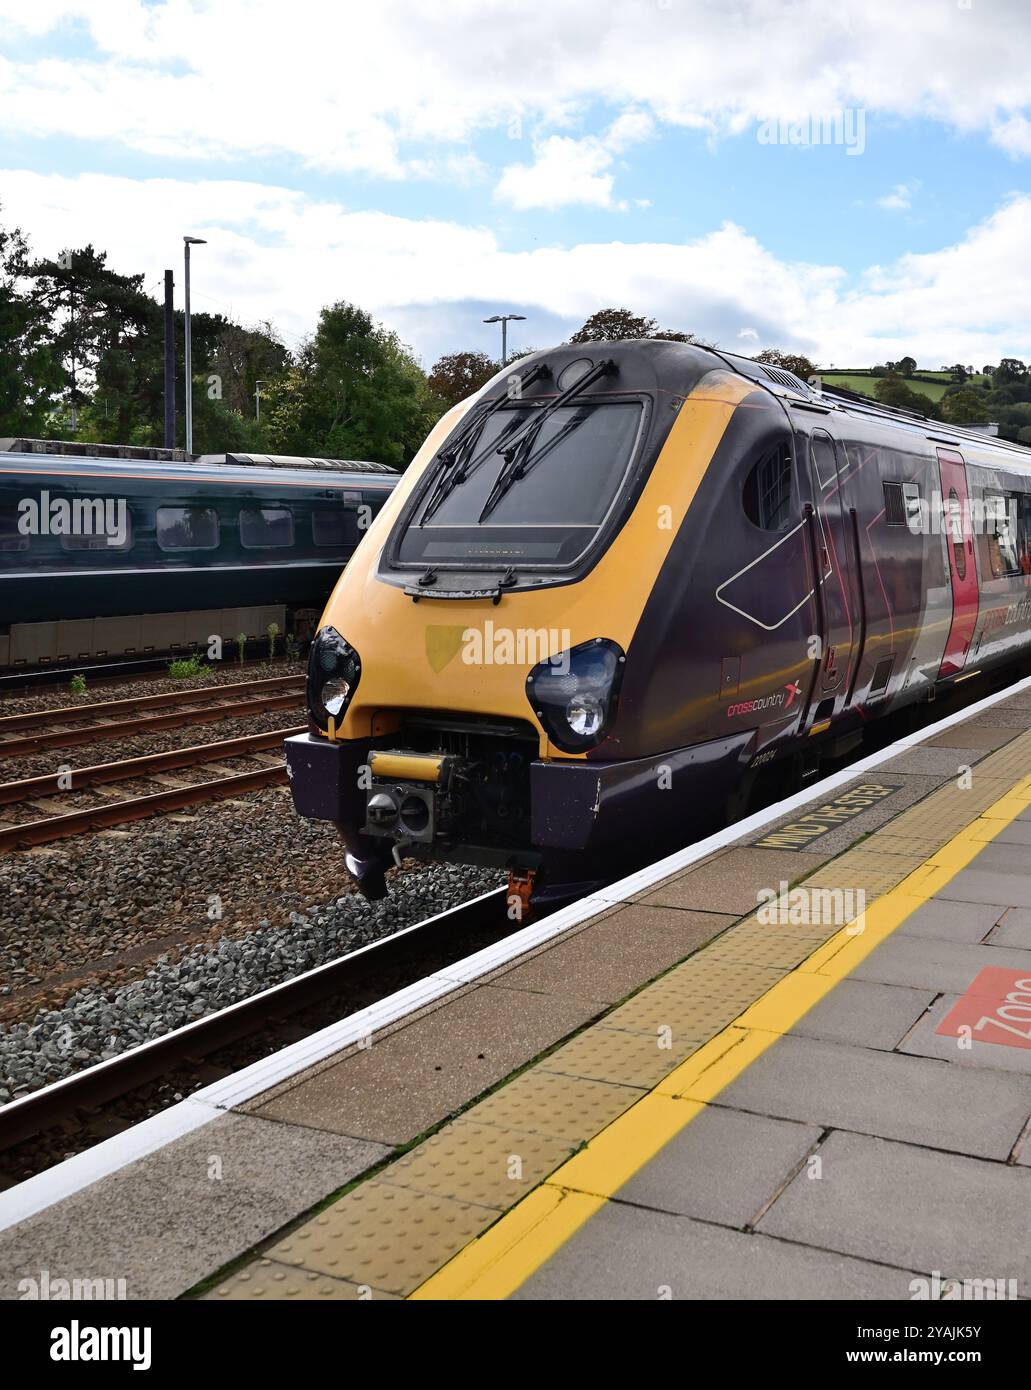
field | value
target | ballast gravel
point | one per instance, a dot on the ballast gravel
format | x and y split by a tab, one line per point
94	1024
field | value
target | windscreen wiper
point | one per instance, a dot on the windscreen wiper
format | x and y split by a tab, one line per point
453	460
517	452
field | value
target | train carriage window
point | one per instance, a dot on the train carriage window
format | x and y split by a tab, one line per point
266	528
954	517
1000	524
337	528
767	492
11	539
911	501
110	533
187	528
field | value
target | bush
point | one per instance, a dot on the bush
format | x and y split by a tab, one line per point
185	668
78	684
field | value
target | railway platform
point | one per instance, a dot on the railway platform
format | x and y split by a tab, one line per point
792	1062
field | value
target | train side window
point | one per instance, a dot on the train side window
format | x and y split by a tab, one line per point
11	539
1001	534
337	528
266	528
767	491
911	502
187	528
955	524
103	540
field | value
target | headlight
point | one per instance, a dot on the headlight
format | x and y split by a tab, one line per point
334	669
574	695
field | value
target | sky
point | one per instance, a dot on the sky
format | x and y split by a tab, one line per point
849	181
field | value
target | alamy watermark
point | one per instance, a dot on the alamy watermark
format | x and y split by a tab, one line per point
819	907
519	646
846	127
107	517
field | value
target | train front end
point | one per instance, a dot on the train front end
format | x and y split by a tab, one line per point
471	690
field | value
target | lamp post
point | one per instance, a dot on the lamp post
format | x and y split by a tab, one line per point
505	320
189	241
257	398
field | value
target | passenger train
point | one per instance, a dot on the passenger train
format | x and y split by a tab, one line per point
108	552
624	578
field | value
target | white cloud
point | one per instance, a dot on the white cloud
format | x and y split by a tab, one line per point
567	171
367	87
900	199
276	253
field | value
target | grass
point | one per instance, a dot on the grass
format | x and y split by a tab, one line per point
185	668
863	382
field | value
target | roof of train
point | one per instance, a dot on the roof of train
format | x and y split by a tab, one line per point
832	400
136	453
215	471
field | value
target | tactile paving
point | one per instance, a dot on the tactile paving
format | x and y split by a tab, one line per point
776	946
387	1237
571	1108
270	1280
480	1163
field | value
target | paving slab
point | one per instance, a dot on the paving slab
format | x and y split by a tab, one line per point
724	1166
865	1014
627	1253
979	1051
269	1279
731	882
884	1093
932	762
166	1221
952	921
609	959
1002	857
911	1207
1013	929
417	1076
1018	832
1006	716
973	735
925	962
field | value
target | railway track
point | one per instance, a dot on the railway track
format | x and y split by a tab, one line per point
58	827
113	1095
77	724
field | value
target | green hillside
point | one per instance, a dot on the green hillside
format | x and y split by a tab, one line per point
864	382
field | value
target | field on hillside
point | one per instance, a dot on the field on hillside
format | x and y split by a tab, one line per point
867	384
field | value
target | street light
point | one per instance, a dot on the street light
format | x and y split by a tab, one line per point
257	398
189	241
504	320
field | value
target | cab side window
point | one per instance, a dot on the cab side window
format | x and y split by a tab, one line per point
767	492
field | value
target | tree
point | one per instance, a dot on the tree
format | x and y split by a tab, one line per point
959	372
461	374
1009	369
790	361
892	390
355	391
906	366
965	407
244	356
30	372
617	325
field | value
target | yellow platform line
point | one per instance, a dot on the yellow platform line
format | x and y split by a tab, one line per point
526	1237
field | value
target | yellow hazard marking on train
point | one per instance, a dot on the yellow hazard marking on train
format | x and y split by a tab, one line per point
501	1260
404	767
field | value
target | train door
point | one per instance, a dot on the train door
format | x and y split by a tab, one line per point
959	534
839	601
